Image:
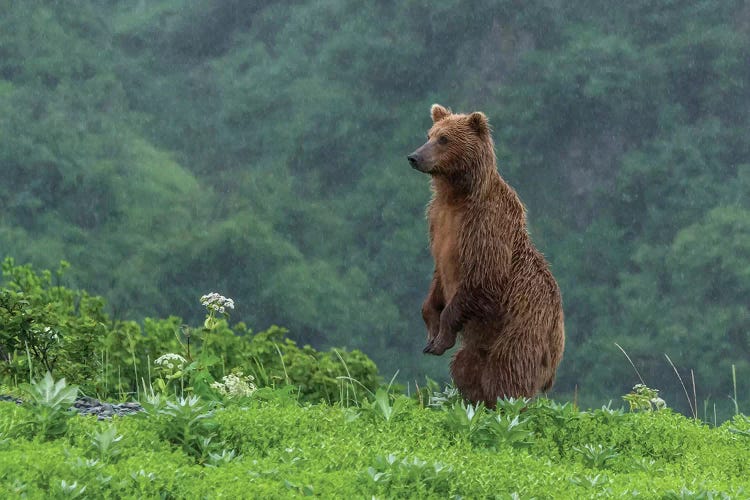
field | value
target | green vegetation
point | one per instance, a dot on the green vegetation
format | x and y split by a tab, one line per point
46	328
277	448
169	147
229	413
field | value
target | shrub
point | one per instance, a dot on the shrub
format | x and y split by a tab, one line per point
46	327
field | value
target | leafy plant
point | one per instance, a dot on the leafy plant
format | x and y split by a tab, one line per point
596	457
198	363
187	423
50	402
71	489
217	459
171	366
56	395
398	476
609	414
449	396
465	419
512	407
589	481
414	456
306	490
490	429
741	426
383	407
644	398
510	431
685	493
105	444
643	464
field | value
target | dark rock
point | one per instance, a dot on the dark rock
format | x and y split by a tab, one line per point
10	399
91	406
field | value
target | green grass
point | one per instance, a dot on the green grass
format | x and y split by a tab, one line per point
269	446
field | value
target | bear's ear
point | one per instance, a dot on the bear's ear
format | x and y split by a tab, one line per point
438	113
479	123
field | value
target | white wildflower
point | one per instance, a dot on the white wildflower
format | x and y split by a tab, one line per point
170	361
215	302
235	385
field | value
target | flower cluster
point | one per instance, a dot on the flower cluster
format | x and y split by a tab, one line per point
235	385
218	303
170	362
644	398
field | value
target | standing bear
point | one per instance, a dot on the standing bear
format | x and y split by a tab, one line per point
490	283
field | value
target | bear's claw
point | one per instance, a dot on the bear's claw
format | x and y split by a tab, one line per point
437	350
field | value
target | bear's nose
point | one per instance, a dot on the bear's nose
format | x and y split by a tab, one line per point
413	160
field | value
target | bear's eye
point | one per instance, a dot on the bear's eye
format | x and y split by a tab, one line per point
443	140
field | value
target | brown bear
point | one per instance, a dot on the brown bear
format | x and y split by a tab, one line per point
490	283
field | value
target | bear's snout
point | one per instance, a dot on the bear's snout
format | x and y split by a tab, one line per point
414	160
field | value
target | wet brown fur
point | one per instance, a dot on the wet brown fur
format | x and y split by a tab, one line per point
490	283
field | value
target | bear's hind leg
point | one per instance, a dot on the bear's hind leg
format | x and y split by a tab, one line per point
466	369
508	376
498	383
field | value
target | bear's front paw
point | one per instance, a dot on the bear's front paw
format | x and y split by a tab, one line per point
428	348
438	345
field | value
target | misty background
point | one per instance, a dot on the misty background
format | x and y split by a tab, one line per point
169	148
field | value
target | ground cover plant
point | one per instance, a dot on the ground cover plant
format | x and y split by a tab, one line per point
229	413
277	447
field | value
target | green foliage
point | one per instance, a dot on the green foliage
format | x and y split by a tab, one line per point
50	402
187	423
596	457
47	328
509	431
105	443
466	420
222	458
300	450
68	331
644	398
449	396
382	405
496	430
411	476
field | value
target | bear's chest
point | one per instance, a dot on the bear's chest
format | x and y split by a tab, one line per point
446	223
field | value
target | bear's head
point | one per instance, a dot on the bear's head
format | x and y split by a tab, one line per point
459	146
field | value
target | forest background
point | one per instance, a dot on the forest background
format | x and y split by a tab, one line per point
169	148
